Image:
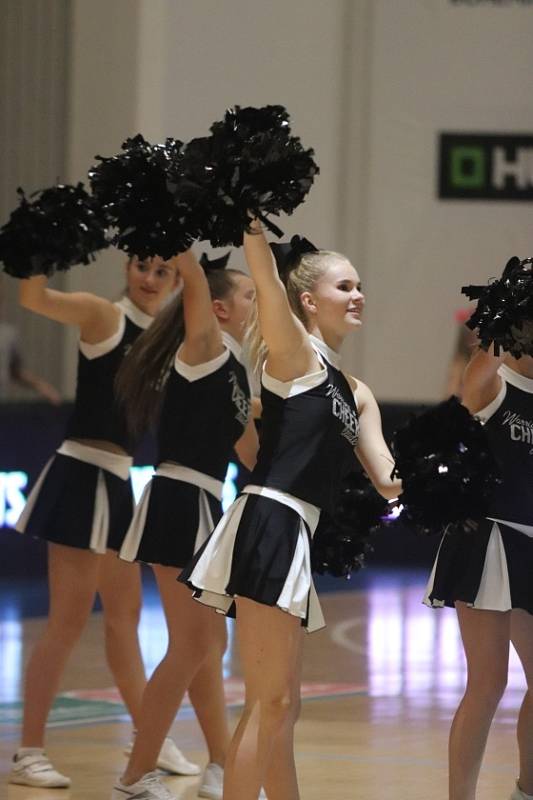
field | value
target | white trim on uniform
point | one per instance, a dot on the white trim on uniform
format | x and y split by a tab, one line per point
516	379
212	572
197	371
517	526
303	383
92	351
127	309
177	472
328	352
233	345
169	469
116	463
21	523
494	592
134	313
486	413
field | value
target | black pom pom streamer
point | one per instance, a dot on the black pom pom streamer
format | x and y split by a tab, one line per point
447	468
52	230
140	191
504	312
342	542
250	165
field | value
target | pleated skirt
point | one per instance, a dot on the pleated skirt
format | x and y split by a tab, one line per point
491	568
178	510
260	550
83	498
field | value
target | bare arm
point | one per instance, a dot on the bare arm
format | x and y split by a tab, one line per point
454	378
290	354
203	339
481	380
248	445
96	317
372	450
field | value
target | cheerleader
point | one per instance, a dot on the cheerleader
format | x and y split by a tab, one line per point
488	575
82	505
196	345
257	562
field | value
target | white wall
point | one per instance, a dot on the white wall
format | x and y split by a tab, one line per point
102	108
33	36
436	66
171	68
217	55
369	84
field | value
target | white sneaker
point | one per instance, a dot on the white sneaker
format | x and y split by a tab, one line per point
149	787
518	794
171	759
213	781
35	769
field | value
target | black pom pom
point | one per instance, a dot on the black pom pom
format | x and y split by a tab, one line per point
504	312
52	230
140	191
341	542
250	165
447	468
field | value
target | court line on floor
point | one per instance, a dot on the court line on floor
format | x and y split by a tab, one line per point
339	635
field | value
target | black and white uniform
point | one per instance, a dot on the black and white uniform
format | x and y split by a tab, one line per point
493	567
261	547
83	497
205	411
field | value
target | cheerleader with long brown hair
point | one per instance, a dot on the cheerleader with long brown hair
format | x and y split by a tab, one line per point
186	375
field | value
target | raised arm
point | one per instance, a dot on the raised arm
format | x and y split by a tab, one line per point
481	382
96	317
372	450
203	339
290	354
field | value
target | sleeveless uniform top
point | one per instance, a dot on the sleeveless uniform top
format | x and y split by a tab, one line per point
509	427
205	411
308	435
96	414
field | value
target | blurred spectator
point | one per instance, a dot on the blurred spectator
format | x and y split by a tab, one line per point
12	369
465	343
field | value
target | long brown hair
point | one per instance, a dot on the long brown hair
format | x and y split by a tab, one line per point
144	371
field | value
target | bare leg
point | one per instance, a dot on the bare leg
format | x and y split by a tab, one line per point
189	630
119	587
281	773
72	580
485	637
522	638
270	643
207	694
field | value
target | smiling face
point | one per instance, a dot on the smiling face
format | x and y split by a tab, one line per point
335	303
151	281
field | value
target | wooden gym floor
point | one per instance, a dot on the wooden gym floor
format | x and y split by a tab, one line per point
381	684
